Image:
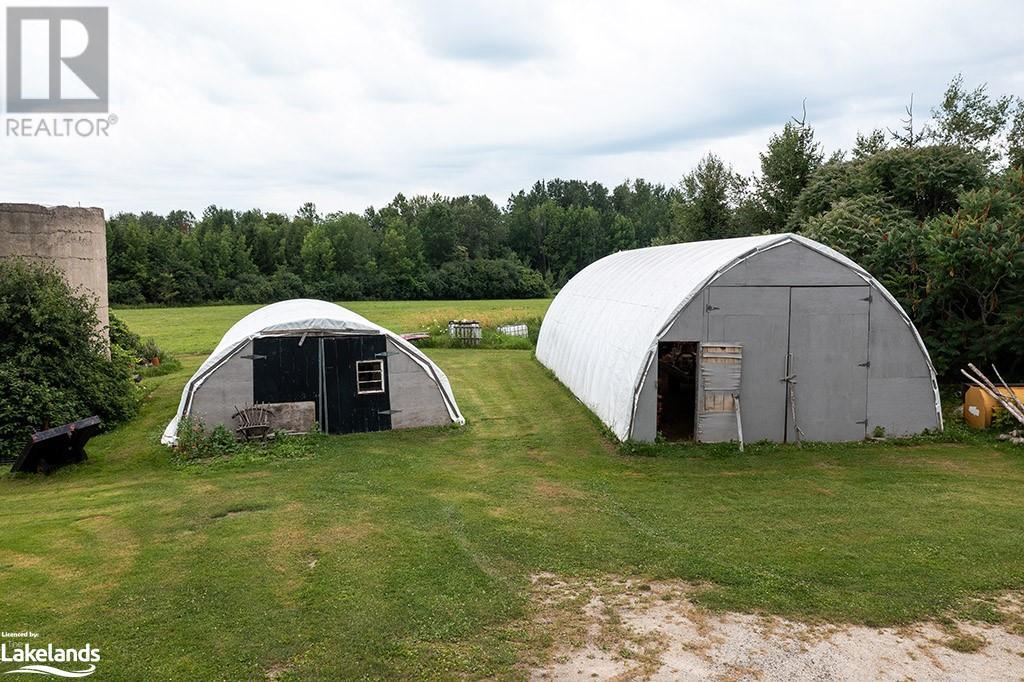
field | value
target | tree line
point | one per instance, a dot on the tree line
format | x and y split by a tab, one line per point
935	211
445	247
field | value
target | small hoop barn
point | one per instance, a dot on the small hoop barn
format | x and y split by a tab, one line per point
773	337
304	361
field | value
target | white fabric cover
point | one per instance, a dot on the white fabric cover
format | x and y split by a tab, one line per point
295	317
602	330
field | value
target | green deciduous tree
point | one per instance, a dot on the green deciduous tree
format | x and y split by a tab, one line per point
972	119
706	201
786	167
317	255
869	145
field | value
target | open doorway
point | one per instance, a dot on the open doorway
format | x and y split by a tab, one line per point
677	389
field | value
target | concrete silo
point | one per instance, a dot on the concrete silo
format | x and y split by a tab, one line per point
72	239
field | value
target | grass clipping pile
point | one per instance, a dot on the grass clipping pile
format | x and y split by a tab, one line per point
618	629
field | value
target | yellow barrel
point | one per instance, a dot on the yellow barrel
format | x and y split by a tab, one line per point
979	406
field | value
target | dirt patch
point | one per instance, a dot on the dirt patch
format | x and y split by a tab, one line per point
554	490
628	629
278	670
203	488
19	561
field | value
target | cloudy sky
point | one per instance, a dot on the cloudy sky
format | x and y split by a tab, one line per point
249	104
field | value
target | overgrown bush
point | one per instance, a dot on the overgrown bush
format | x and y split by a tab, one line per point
920	181
196	442
54	363
198	445
486	278
960	275
141	352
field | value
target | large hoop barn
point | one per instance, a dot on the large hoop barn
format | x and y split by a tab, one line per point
778	334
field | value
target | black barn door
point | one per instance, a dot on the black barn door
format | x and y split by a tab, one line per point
356	377
283	371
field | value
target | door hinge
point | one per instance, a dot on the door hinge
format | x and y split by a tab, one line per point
868	299
710	307
865	364
253	357
385	354
388	412
863	421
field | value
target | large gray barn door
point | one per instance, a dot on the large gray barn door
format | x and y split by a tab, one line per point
829	350
757	318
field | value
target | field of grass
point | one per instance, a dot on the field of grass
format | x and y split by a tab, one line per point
197	330
403	554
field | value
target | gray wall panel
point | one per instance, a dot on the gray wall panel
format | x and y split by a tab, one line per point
414	394
758	319
789	265
901	406
645	419
828	340
894	351
901	396
228	387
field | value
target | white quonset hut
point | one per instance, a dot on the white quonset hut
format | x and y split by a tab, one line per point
666	339
312	360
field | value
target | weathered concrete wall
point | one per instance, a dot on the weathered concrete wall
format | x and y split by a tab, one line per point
72	239
298	417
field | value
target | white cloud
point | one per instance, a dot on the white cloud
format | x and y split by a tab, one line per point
268	105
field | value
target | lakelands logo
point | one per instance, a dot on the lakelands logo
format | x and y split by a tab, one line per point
58	63
40	660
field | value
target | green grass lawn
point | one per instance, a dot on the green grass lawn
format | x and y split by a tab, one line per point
402	554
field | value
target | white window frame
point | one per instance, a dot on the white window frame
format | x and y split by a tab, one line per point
373	367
